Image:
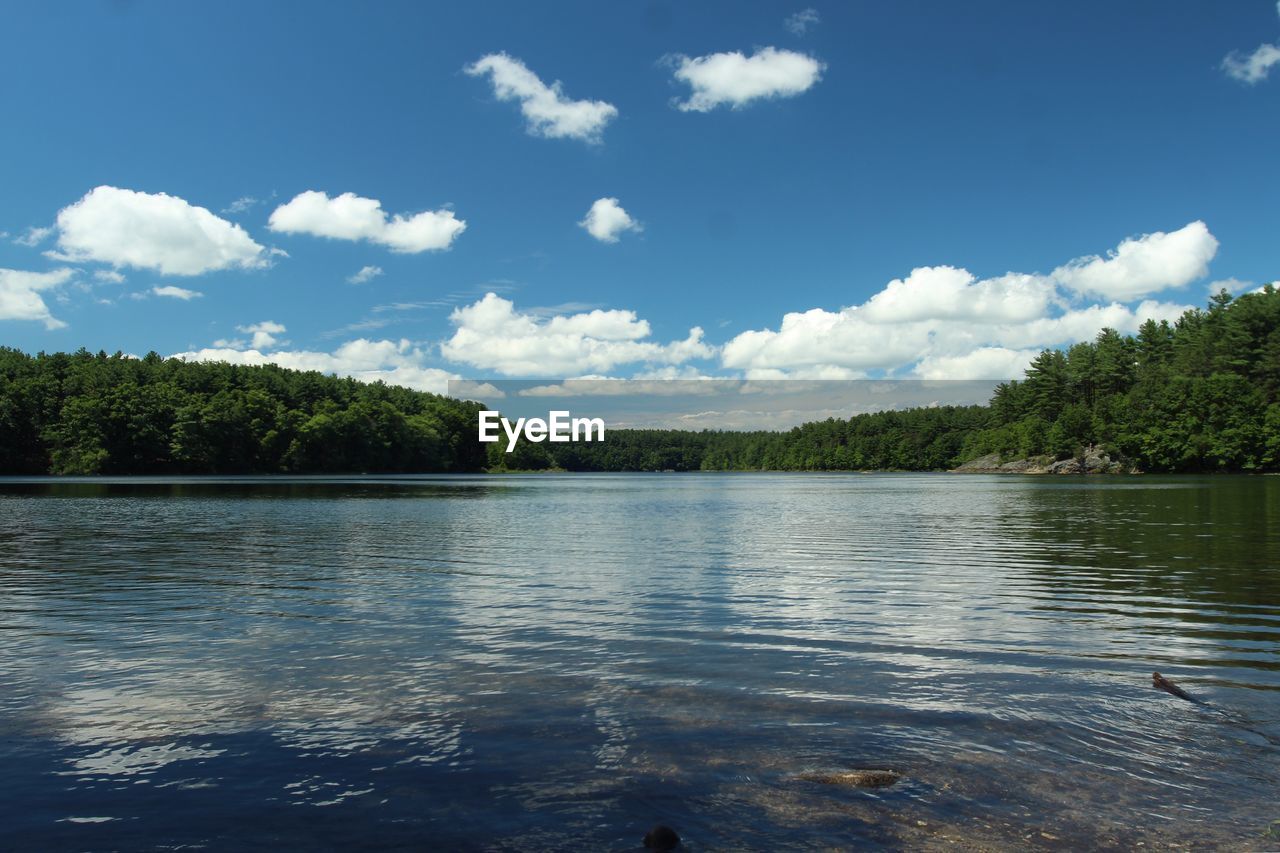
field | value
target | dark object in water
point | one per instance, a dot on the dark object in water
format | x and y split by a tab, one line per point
1159	682
661	837
855	778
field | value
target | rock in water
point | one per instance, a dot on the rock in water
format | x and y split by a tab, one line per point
661	837
855	778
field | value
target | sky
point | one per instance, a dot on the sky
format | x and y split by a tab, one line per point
421	192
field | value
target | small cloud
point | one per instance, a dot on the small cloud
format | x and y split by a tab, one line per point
368	324
350	217
799	23
734	80
264	333
366	274
413	306
20	295
176	292
1230	285
1253	68
547	110
33	237
606	220
243	204
110	276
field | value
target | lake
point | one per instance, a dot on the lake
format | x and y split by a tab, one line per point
561	662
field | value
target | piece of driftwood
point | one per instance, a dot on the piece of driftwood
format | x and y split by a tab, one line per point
1159	682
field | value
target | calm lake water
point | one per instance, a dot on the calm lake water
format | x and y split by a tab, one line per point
560	662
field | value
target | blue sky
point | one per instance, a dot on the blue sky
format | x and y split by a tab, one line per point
1118	159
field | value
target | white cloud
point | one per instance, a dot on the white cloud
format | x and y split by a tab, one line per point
264	333
820	344
547	110
109	276
491	335
735	80
606	220
350	217
176	292
242	205
366	274
799	23
20	297
393	362
942	322
1143	265
950	293
1254	67
1230	285
160	232
33	237
982	363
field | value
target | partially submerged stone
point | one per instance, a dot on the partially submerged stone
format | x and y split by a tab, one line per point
854	778
661	837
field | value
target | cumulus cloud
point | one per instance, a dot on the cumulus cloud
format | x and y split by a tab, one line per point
393	362
365	274
492	335
109	276
20	297
606	220
173	292
944	323
735	80
350	217
548	111
1143	265
1254	67
799	23
982	363
950	293
1230	285
264	333
820	344
125	228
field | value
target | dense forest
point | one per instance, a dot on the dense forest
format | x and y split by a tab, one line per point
111	414
1201	394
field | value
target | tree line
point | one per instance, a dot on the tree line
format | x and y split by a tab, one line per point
82	413
1199	394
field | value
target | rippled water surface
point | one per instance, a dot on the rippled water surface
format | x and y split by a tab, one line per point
559	662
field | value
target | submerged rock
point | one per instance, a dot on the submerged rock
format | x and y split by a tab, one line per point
854	778
661	837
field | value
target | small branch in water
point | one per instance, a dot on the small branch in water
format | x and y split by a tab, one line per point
1159	682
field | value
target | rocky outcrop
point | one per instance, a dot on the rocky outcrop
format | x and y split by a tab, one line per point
1092	460
992	463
